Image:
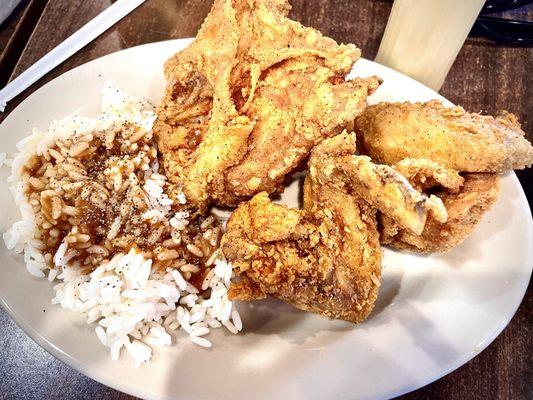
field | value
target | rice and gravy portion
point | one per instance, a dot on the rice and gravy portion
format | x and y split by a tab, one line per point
96	216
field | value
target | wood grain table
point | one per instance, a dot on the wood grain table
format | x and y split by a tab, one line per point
485	77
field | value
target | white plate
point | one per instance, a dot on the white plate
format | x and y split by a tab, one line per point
434	312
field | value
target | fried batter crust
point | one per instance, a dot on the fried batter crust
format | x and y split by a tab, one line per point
465	210
448	152
249	98
325	258
465	142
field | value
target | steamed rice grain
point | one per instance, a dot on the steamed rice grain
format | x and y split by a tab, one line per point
104	227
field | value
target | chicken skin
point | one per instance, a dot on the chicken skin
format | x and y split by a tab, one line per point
466	198
325	258
446	151
465	142
249	98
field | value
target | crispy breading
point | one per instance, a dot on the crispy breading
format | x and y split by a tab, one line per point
465	209
465	142
448	152
249	98
426	174
325	258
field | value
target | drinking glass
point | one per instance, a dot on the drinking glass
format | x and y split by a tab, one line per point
423	37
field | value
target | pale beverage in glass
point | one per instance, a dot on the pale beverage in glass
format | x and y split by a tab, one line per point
423	37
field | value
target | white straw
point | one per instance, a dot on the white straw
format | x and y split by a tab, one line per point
67	48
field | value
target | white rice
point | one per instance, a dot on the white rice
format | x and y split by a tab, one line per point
133	306
124	297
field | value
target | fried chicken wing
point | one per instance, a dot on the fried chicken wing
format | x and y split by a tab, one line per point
325	258
466	200
465	142
449	152
426	174
249	98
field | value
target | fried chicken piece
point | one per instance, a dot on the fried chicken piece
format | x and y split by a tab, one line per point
465	142
425	174
249	98
333	164
325	258
449	152
466	198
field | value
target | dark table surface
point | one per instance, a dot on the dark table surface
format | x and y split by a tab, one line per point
485	77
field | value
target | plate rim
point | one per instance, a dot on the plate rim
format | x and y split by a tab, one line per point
134	390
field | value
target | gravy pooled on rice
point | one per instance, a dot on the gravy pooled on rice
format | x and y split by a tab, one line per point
97	213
